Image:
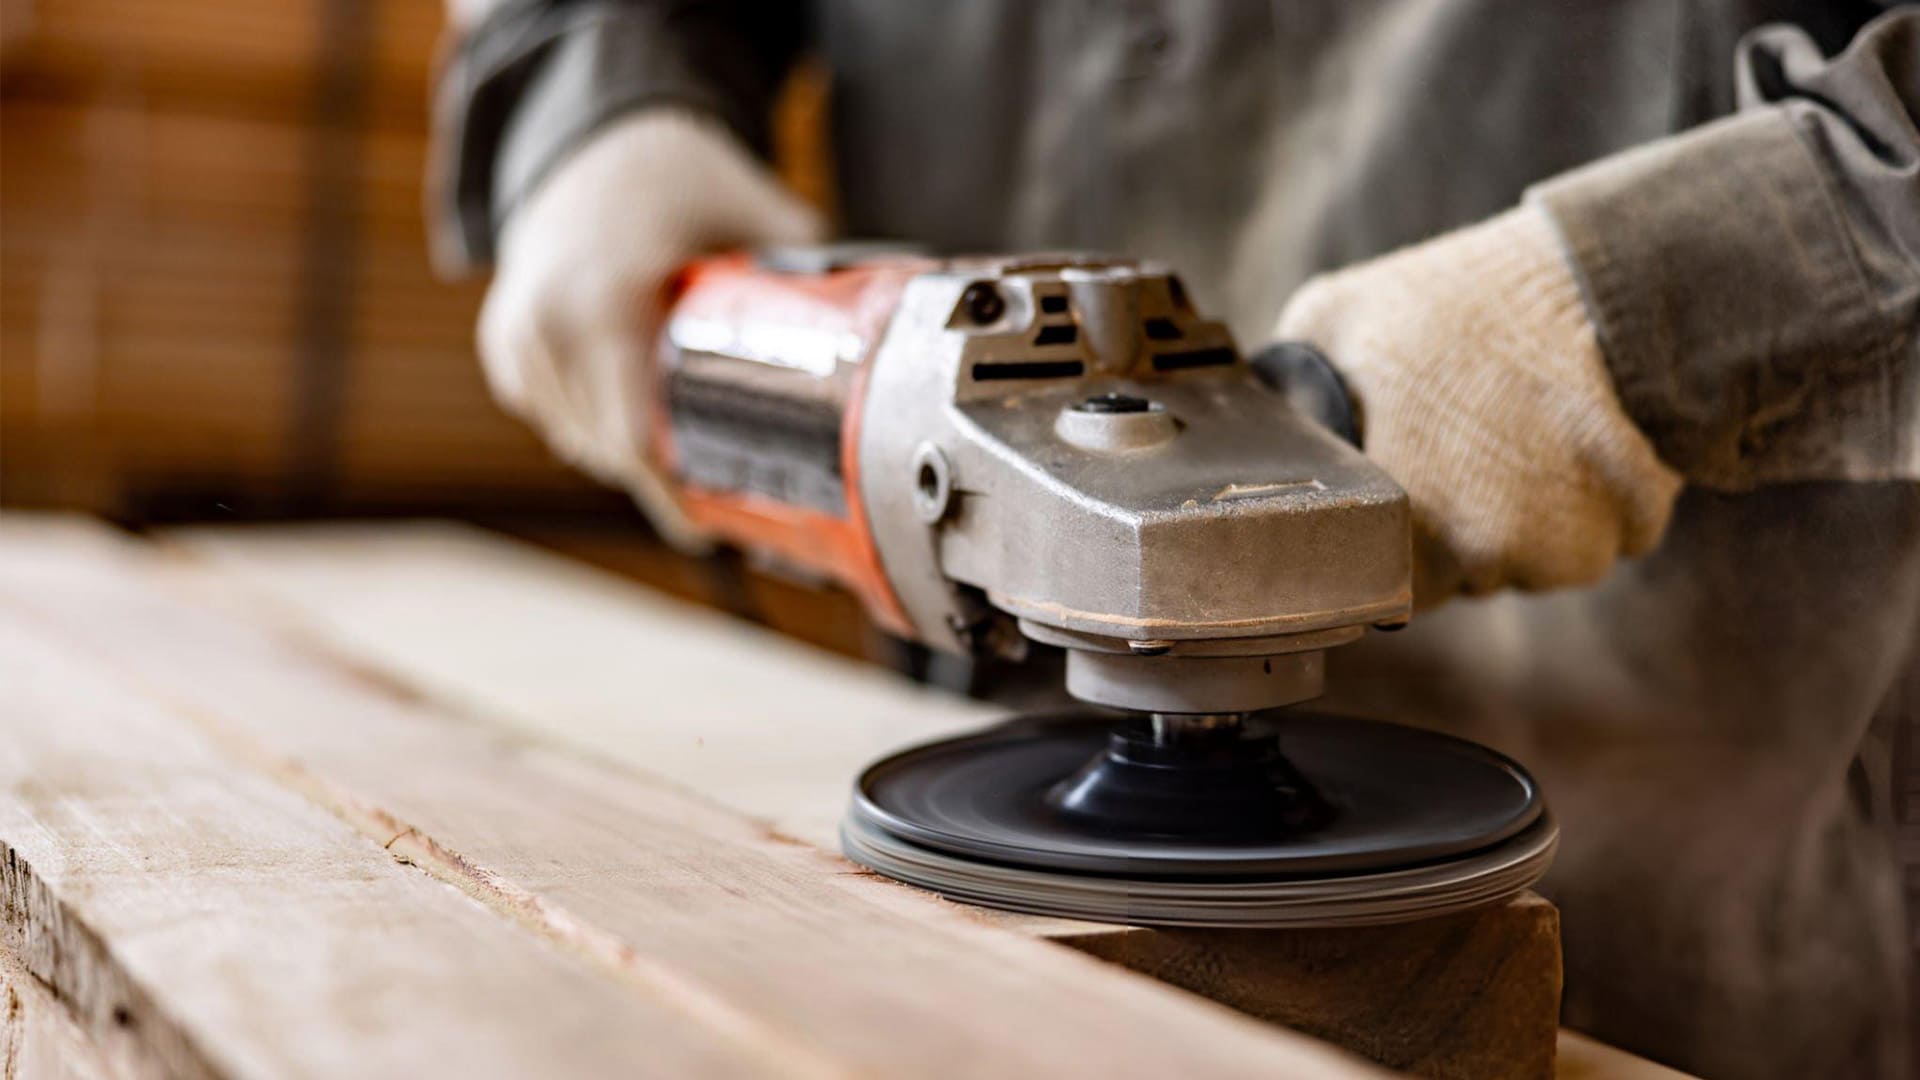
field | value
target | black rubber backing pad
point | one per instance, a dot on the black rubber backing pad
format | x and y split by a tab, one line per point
1401	796
1423	823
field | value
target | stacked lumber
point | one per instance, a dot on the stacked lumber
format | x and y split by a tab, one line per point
214	286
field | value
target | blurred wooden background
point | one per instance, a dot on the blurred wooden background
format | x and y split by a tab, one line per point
215	298
214	290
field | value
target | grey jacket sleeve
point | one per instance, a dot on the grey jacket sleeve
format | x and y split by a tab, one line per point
1756	281
532	80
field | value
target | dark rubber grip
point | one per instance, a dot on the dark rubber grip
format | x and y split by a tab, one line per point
1308	380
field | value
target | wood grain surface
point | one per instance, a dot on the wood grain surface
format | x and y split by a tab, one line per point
39	1039
1469	995
749	718
211	824
229	927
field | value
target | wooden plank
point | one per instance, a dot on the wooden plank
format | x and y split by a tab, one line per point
571	654
748	718
202	920
670	895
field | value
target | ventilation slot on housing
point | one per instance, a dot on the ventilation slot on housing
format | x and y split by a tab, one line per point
1180	361
1162	330
1057	335
1028	369
1053	305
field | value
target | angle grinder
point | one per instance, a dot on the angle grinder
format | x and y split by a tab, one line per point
1061	449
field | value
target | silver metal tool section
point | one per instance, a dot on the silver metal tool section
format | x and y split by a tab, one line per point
1194	684
1113	469
1307	641
1112	432
1171	727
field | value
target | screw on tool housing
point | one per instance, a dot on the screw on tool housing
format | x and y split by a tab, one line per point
983	303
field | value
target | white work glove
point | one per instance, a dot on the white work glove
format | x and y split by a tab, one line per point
569	324
1481	388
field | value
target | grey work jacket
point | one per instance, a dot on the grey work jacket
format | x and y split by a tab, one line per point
1738	185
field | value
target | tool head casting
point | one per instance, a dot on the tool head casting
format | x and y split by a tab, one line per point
1066	443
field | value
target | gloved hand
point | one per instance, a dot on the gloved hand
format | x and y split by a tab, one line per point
569	323
1481	388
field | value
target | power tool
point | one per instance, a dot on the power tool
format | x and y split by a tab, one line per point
1061	449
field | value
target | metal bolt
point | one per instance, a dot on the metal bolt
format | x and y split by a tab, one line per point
932	483
983	302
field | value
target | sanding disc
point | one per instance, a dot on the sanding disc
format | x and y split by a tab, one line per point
1396	823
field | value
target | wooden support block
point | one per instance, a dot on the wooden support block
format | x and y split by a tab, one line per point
777	730
1464	995
246	852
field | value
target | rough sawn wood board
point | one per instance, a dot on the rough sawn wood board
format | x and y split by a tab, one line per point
760	950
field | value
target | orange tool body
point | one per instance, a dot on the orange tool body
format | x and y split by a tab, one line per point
786	355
